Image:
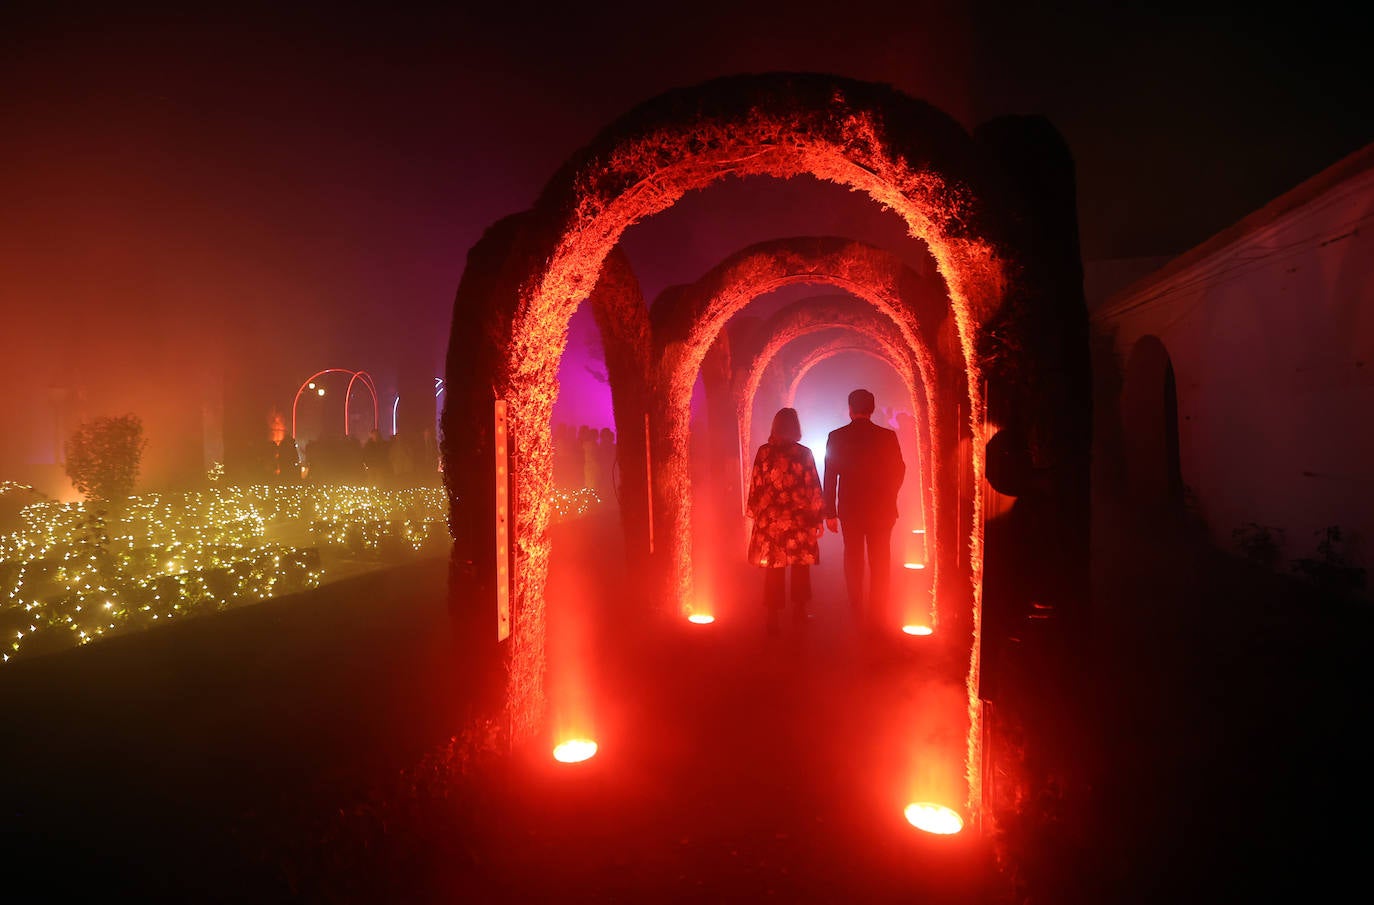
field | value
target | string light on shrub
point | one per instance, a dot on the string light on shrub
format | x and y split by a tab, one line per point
73	573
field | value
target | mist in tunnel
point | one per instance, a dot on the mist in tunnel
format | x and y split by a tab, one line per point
821	402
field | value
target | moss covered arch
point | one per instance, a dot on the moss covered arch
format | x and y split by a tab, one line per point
800	361
516	298
911	312
818	315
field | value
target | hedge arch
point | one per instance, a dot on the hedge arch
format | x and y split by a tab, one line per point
911	312
622	319
523	284
802	361
808	318
814	315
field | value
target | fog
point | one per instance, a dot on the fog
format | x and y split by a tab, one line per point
204	209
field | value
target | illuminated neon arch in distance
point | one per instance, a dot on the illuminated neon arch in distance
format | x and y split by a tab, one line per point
355	377
396	404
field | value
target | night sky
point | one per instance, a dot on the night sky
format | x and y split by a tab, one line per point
200	205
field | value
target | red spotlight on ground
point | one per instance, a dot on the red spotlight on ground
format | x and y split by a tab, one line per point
574	750
914	565
917	629
701	618
934	818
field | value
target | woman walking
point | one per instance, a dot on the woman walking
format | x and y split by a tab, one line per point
785	504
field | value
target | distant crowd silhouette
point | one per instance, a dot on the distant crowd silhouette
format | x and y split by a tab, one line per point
406	459
584	456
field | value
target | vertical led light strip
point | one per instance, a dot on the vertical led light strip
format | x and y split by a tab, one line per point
649	480
502	526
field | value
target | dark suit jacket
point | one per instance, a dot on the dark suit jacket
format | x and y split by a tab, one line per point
864	469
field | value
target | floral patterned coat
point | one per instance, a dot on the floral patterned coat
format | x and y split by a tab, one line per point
785	504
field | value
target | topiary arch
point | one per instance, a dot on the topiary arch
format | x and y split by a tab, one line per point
527	276
688	320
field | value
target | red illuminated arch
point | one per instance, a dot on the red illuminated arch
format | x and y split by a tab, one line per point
524	281
622	319
811	316
830	346
910	312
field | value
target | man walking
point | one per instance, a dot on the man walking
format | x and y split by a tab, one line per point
863	471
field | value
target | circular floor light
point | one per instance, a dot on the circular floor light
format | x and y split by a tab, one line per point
574	750
914	565
701	618
934	818
917	629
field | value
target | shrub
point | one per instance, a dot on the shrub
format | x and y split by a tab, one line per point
103	456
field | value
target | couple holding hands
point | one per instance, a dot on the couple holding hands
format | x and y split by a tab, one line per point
792	506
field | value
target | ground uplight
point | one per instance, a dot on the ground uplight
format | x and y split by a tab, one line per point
914	565
934	818
574	750
701	618
917	629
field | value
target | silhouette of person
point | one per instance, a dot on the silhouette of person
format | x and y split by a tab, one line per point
587	437
286	463
567	456
401	458
376	462
606	458
431	462
863	472
785	503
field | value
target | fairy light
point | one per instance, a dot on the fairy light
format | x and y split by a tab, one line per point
70	574
502	524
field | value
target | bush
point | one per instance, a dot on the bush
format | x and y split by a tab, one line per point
103	457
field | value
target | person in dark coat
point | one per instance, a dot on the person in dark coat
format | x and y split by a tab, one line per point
863	472
785	503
